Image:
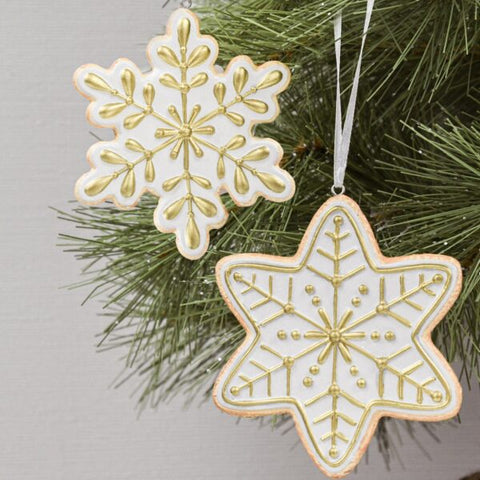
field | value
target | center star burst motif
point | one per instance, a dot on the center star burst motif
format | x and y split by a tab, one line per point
338	336
184	133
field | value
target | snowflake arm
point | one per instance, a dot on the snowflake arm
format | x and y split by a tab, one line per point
184	133
338	336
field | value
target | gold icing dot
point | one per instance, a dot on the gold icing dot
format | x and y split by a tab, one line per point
354	370
309	289
235	391
334	389
356	301
382	362
288	361
335	336
390	336
338	220
437	396
282	334
307	381
333	452
314	369
336	280
295	335
316	301
361	383
375	335
437	278
363	289
237	276
288	308
382	307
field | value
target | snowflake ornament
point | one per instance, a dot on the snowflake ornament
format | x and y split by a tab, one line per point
338	336
184	133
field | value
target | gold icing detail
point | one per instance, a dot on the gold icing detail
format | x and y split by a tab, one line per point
288	308
361	383
288	361
174	209
271	79
128	82
356	301
310	289
168	56
316	301
240	78
389	336
240	180
333	452
314	369
128	185
354	370
296	335
375	335
198	56
274	183
95	81
282	334
98	185
260	153
437	396
183	32
363	289
192	235
308	381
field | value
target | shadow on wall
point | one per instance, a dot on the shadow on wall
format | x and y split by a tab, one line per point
473	476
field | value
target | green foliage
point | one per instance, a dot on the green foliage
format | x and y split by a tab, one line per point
414	168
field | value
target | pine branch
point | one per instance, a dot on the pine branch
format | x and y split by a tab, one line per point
419	185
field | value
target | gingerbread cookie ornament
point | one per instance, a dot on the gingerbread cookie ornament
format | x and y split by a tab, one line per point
338	336
184	133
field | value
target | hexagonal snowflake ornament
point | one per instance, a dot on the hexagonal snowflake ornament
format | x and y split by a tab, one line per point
184	133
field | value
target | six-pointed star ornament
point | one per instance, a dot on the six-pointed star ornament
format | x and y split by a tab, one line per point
338	336
184	133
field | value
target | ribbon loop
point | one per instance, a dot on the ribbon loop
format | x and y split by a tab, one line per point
343	133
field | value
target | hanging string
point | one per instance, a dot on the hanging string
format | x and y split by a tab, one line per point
343	133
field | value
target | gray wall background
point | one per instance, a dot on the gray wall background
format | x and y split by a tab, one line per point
59	419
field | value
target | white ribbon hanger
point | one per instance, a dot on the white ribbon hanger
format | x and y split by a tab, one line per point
343	133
